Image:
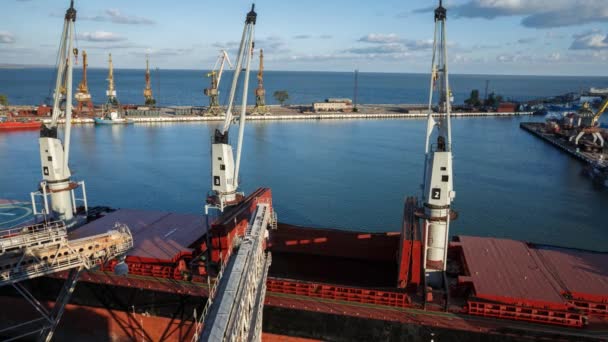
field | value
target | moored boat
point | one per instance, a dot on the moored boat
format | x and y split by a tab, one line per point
19	124
112	119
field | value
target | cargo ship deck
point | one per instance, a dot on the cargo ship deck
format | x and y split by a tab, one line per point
497	286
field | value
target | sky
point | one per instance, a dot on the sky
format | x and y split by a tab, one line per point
523	37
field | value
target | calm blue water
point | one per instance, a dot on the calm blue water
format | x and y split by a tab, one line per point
347	174
185	87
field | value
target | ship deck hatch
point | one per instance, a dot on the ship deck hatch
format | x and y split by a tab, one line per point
158	236
516	272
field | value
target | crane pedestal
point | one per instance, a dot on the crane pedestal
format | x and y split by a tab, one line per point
84	102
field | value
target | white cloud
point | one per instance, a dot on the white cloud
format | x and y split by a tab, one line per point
590	40
100	36
6	37
380	38
116	17
526	40
273	45
538	13
379	49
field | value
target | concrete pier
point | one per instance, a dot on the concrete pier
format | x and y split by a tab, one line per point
299	116
536	128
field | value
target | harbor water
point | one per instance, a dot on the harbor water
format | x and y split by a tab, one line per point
349	174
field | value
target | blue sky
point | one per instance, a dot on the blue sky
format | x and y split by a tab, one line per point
541	37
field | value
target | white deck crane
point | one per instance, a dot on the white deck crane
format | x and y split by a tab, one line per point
216	77
438	192
224	169
54	154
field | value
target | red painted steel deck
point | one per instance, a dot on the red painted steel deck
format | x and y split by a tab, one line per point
519	273
157	236
507	271
582	274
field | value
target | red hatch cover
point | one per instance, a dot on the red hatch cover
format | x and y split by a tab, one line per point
161	236
508	271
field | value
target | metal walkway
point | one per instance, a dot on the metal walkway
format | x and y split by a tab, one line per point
42	249
235	314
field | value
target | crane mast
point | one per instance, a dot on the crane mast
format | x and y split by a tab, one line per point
111	92
54	154
260	92
83	97
149	99
224	168
438	192
216	76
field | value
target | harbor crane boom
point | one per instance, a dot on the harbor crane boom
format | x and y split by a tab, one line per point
438	192
599	112
224	58
216	77
55	153
148	97
224	167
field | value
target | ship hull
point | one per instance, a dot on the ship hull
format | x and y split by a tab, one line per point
331	280
18	125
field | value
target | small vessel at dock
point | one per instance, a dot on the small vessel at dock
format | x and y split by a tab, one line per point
112	118
9	123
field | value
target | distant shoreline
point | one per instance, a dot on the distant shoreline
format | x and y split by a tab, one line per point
20	66
139	114
296	117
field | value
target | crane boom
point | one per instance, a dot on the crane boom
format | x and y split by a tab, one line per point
225	58
600	111
83	86
224	169
216	77
148	97
54	154
438	191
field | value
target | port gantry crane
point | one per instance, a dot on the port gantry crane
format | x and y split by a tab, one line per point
149	99
260	92
233	310
589	124
216	76
438	192
112	100
44	248
83	96
224	168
